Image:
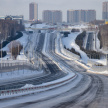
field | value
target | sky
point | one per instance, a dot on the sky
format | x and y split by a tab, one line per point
21	7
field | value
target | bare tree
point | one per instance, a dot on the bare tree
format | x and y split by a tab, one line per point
15	47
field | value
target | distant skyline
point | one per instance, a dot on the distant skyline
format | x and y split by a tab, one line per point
21	7
33	11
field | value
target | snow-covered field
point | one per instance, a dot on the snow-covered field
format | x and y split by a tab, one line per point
19	75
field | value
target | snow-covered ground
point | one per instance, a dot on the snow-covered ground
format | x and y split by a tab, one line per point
99	70
42	95
19	75
69	42
23	40
102	61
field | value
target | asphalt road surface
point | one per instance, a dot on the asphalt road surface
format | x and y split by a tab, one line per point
90	41
90	92
55	72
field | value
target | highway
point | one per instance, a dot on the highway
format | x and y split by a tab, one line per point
91	91
55	72
90	41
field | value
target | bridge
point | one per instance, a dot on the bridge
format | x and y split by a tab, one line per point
60	29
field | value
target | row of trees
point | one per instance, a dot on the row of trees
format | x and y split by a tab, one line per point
9	28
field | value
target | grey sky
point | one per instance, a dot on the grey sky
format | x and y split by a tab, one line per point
21	7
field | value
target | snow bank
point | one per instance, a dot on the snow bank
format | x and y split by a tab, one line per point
22	57
28	85
69	42
99	70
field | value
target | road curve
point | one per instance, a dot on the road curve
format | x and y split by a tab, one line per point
90	92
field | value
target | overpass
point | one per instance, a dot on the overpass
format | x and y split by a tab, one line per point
60	29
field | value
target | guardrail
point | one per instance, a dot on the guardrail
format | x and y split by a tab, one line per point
35	89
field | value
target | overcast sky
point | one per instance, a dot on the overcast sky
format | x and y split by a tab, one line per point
21	7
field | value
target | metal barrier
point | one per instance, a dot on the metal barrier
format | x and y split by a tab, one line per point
23	91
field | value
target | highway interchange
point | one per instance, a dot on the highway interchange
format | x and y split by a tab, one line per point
91	91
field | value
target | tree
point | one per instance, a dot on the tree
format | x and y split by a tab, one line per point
15	47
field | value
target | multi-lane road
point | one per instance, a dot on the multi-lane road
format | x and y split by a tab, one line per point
52	70
91	41
91	91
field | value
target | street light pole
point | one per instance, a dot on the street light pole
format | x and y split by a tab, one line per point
1	55
106	59
11	50
18	49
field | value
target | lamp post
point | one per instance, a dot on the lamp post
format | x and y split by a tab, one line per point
1	55
11	49
18	49
106	59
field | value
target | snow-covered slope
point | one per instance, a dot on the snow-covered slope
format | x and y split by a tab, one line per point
69	42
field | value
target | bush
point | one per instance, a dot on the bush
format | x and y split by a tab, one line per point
73	51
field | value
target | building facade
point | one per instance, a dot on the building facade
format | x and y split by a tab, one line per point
18	18
33	11
52	16
78	16
105	10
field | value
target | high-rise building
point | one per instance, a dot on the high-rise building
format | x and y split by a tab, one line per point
47	16
33	11
105	10
91	15
18	18
52	16
77	16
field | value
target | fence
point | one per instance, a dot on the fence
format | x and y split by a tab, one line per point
10	65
